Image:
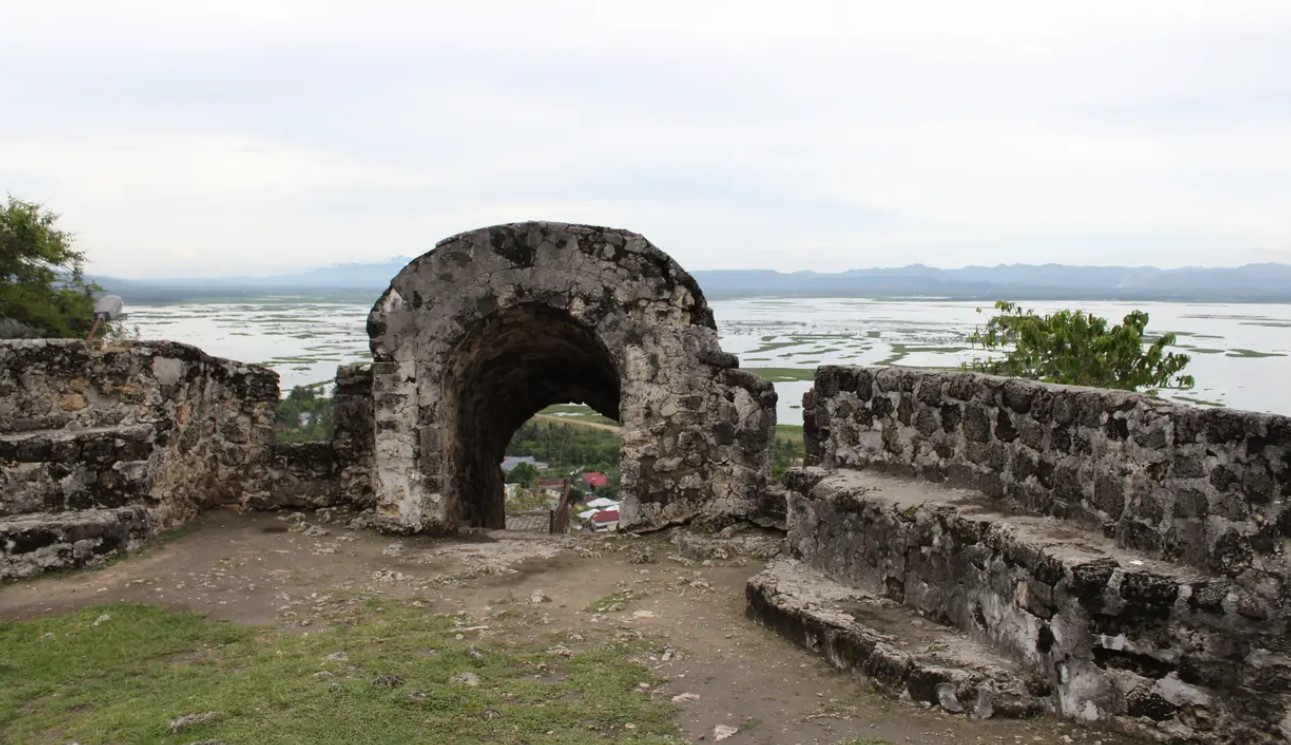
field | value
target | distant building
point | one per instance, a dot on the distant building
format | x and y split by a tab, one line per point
511	461
596	480
605	520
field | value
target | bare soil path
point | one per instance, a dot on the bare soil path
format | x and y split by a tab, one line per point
296	572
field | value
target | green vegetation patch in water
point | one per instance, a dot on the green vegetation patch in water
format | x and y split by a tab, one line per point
1196	401
783	374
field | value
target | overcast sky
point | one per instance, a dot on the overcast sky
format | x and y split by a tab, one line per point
188	138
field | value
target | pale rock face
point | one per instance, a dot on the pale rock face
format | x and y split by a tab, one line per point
493	325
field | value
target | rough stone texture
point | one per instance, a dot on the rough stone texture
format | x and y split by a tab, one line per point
491	326
1207	487
155	429
300	475
75	469
30	544
728	543
1154	648
353	433
891	647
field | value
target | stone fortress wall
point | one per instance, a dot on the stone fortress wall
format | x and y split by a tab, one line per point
99	449
491	326
993	547
1124	558
1203	486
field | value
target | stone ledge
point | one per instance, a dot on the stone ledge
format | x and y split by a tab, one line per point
75	469
105	445
1206	487
1153	648
31	544
726	544
891	646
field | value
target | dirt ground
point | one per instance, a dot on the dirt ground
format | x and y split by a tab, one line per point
297	571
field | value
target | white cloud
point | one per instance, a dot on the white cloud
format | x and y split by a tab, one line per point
217	137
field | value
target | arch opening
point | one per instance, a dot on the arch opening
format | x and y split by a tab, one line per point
508	367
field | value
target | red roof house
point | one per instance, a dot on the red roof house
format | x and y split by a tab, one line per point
595	480
605	517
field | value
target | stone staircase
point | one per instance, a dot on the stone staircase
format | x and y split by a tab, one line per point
1128	558
100	448
938	593
70	496
891	645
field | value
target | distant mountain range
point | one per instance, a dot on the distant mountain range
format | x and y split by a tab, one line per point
1249	283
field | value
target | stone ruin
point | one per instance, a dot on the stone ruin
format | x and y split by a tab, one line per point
480	334
991	547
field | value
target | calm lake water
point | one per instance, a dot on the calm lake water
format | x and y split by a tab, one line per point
1241	353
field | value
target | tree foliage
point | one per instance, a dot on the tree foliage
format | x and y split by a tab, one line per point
304	416
42	285
1076	348
523	474
788	451
567	447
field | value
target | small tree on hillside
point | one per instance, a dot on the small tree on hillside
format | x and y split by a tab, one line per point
41	282
305	416
523	474
1076	348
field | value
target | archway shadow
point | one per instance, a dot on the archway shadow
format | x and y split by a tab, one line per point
510	366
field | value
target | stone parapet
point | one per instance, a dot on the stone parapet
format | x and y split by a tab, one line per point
354	433
1207	487
157	426
1153	648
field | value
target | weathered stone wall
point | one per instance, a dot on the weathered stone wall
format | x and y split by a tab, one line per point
300	475
353	433
1207	487
485	330
1106	634
155	431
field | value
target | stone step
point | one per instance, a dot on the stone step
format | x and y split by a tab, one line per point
31	544
89	445
729	543
52	470
891	646
1149	647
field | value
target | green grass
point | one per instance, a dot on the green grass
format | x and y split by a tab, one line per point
579	412
784	374
611	603
788	431
65	679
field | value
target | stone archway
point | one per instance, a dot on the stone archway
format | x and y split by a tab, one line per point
513	364
489	327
